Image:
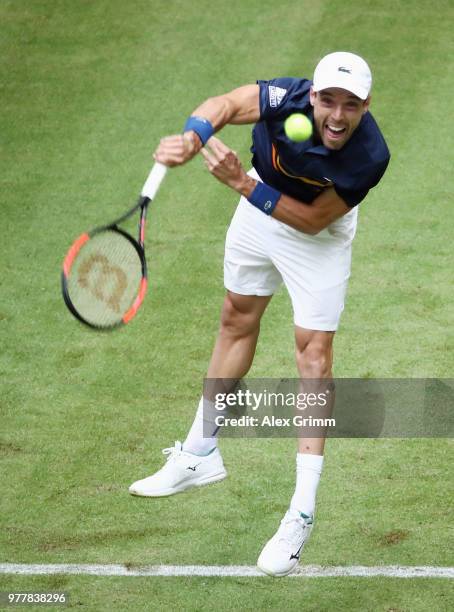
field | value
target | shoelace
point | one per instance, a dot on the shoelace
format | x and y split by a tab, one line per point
172	451
291	527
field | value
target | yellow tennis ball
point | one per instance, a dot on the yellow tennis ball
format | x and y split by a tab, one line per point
298	127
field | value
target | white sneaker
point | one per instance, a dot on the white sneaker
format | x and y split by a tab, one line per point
282	553
182	471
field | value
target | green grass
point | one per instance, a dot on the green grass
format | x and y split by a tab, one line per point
87	90
205	594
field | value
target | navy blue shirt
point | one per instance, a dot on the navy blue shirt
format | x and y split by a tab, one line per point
302	170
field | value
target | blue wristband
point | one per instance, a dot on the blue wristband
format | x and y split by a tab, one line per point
202	127
264	198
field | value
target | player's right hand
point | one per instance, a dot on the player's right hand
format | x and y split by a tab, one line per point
177	150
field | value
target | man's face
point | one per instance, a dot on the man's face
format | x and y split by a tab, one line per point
337	114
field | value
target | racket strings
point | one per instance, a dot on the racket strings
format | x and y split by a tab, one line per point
104	279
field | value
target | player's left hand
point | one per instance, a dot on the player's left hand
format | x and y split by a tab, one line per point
223	163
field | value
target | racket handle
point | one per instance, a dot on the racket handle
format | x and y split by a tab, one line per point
154	180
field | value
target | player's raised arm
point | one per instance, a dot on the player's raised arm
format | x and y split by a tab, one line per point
240	106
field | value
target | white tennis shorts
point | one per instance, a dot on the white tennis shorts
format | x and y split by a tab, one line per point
262	252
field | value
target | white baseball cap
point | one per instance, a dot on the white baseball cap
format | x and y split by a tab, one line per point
344	70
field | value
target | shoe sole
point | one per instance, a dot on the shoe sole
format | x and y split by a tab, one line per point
275	574
183	487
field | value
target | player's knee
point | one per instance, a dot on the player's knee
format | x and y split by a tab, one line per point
237	319
314	360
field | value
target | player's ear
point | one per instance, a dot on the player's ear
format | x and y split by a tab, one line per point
312	96
366	104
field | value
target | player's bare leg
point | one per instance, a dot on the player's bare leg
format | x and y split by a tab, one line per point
231	359
314	359
314	356
238	333
199	462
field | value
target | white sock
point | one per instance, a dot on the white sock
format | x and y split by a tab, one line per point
195	442
308	470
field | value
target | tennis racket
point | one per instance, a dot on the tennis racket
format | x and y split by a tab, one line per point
104	277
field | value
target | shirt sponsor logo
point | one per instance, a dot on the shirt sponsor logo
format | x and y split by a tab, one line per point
276	94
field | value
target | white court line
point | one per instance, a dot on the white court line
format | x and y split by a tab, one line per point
304	571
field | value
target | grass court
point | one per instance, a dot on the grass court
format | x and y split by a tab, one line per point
87	90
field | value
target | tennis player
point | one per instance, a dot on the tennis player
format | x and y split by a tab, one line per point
294	224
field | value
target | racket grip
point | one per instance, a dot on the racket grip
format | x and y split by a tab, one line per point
154	180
